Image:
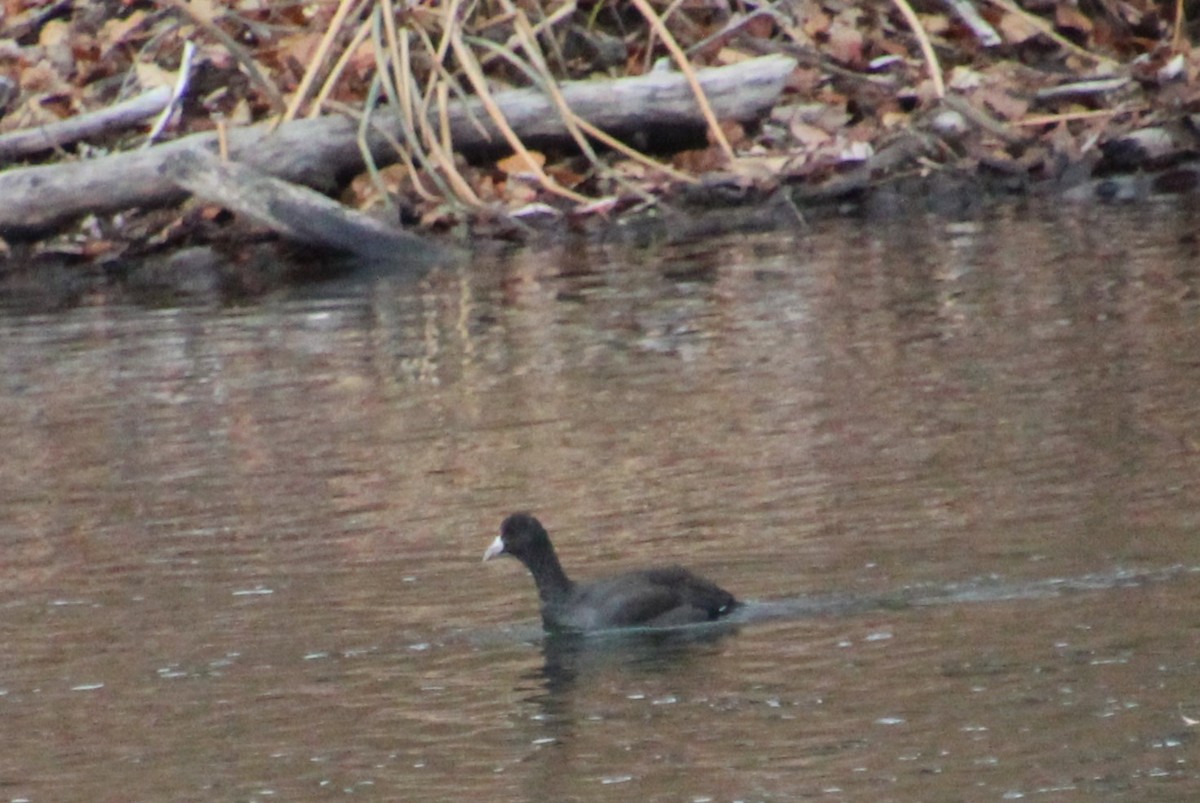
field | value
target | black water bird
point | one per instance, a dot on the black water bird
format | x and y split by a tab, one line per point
660	597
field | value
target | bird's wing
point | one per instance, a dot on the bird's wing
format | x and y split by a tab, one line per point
667	596
642	606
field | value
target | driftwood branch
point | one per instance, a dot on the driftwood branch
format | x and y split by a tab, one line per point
116	117
318	152
297	213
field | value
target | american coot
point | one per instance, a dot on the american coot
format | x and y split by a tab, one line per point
648	598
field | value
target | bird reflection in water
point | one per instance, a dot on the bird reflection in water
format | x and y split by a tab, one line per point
571	658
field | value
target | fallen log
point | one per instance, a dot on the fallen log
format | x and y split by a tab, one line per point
319	152
16	144
296	213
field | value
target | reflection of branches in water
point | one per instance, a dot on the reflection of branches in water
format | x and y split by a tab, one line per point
475	324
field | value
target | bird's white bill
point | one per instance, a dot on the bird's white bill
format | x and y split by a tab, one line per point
497	548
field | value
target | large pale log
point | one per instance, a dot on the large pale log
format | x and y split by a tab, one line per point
319	152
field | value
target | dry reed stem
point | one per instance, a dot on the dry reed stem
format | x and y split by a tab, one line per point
319	58
931	59
632	153
442	74
1177	27
563	11
1066	117
540	73
401	97
429	150
479	83
686	68
365	121
578	128
399	70
431	147
394	75
443	152
339	67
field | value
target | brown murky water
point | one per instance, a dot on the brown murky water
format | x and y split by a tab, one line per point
241	546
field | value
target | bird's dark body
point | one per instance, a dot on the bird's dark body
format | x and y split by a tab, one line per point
661	597
658	597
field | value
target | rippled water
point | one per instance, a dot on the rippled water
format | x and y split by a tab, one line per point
955	465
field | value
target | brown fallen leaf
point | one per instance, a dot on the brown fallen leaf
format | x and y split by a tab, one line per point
808	135
518	164
1002	104
518	193
150	75
1016	29
114	31
816	22
565	176
54	32
845	43
699	161
735	133
1068	16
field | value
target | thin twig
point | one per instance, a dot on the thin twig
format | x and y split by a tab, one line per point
1177	28
982	119
1095	86
177	93
1066	117
931	59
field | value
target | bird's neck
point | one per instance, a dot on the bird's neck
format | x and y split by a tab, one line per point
552	581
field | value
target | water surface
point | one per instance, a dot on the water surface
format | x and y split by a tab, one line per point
956	462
